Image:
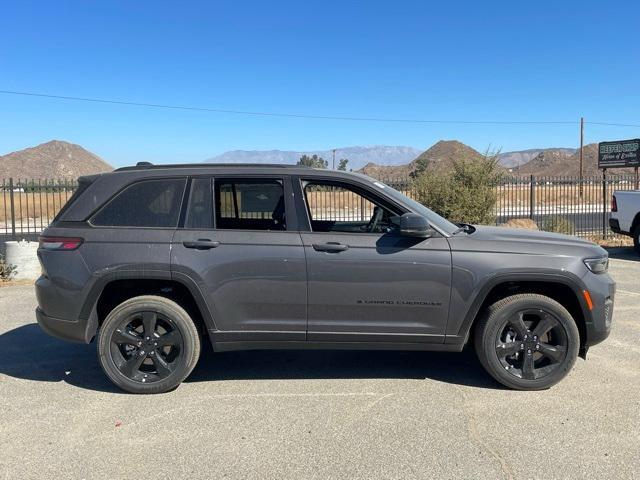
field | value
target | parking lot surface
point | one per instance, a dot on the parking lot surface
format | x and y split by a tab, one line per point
287	414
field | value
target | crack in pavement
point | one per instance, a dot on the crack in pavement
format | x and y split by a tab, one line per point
474	435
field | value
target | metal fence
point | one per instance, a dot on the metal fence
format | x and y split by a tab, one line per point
27	206
567	204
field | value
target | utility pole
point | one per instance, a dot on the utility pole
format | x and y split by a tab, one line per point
334	158
581	145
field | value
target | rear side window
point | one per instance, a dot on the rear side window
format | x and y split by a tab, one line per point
252	204
83	184
150	203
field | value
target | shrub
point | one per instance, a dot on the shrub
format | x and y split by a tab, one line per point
525	223
558	225
7	270
466	193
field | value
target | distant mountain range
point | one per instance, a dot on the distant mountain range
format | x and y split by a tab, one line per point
57	159
440	156
518	158
357	156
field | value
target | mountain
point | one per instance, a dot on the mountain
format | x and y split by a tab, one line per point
440	156
552	163
357	156
520	157
54	159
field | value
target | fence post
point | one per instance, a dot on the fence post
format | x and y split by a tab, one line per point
532	197
604	203
12	209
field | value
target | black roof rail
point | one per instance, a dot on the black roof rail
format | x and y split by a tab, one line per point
150	166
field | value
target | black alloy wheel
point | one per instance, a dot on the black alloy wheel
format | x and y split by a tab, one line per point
148	344
146	347
527	341
532	344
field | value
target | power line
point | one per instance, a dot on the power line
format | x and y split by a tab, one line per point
275	114
305	116
615	124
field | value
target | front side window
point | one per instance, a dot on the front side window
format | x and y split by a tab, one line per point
149	203
250	204
335	207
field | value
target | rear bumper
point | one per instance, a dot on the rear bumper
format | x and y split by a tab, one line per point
69	330
614	225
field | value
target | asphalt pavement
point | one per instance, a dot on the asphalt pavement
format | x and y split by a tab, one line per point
318	415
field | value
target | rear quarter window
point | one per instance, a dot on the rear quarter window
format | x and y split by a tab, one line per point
149	203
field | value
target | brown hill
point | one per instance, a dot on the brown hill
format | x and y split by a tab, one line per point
440	156
546	162
552	163
54	159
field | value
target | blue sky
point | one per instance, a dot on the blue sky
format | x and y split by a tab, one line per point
511	60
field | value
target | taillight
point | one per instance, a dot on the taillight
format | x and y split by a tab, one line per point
59	243
614	204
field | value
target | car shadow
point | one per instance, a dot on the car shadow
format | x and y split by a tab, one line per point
623	253
28	353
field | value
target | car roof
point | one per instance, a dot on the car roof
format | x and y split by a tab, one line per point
229	169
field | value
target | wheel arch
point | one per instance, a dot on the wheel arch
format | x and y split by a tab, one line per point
564	289
635	223
112	289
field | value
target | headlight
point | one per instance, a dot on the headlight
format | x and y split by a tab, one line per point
597	265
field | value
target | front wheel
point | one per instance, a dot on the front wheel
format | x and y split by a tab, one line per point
527	341
636	239
148	344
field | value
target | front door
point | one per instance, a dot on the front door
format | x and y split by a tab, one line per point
238	246
365	281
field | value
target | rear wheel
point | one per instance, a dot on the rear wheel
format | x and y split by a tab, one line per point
636	239
527	341
148	344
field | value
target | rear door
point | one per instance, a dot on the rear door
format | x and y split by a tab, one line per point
366	282
133	230
239	243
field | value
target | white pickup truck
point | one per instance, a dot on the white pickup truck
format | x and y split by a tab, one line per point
625	215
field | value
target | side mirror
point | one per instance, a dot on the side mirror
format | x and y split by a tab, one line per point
414	225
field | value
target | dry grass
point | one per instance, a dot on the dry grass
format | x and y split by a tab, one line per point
613	241
14	283
525	223
32	205
550	194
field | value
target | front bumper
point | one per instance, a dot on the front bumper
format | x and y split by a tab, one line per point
69	330
602	289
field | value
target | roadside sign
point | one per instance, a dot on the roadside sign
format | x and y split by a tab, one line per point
619	154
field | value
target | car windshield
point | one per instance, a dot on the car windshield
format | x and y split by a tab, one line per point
433	218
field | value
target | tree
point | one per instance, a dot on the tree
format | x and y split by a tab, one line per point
315	161
466	193
342	165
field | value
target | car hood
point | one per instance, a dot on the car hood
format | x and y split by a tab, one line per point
517	240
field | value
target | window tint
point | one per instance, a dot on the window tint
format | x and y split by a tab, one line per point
200	209
339	208
151	203
250	204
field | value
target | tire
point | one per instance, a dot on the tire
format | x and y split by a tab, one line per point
512	350
148	344
636	239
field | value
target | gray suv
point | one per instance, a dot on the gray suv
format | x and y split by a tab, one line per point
149	260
